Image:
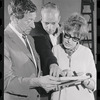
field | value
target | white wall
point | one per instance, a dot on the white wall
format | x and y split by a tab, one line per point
66	7
38	3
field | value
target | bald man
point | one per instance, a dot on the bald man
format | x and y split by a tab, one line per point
47	34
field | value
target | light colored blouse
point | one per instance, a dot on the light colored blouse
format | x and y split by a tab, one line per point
80	61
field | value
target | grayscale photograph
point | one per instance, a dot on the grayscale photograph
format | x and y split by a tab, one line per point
50	50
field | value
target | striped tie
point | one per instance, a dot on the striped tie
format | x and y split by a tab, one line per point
24	36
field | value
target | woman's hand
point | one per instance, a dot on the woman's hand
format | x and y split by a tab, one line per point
89	83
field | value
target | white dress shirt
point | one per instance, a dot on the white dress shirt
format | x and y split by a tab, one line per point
54	39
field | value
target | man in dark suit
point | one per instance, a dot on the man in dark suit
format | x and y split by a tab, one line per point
47	34
22	72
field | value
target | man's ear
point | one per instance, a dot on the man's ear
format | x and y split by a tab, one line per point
10	12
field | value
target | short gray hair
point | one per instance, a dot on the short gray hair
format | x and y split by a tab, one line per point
50	5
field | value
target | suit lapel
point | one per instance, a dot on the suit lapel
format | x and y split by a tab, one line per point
48	39
19	43
35	53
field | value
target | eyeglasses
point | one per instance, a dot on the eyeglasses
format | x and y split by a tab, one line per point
68	36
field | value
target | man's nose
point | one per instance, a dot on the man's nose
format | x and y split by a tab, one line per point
32	24
49	26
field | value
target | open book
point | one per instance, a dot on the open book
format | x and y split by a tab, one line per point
78	78
71	81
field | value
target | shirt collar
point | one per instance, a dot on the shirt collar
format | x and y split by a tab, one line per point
70	52
13	28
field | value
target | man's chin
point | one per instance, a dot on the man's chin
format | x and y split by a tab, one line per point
49	32
27	31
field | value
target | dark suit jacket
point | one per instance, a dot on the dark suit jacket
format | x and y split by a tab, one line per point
43	46
19	67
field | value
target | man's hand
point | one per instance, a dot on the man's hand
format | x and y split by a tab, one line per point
49	82
55	70
66	72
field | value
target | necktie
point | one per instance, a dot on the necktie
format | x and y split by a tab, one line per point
24	36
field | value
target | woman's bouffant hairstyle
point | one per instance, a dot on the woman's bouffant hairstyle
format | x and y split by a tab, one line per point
19	7
76	22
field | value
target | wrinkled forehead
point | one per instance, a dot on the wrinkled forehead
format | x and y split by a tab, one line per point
30	14
50	15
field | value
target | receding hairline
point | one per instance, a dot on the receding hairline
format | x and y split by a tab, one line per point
50	6
49	10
